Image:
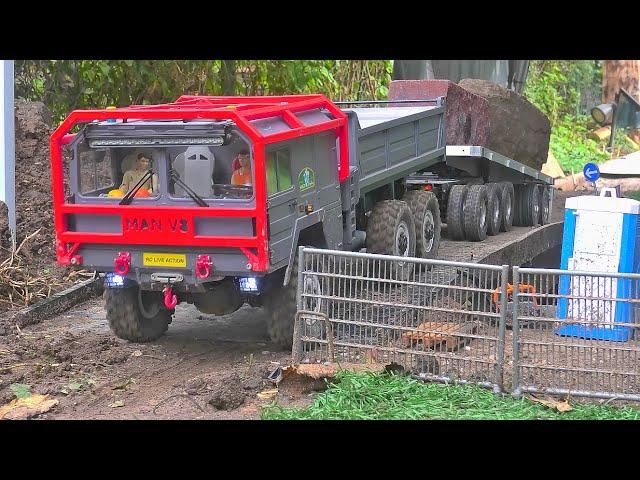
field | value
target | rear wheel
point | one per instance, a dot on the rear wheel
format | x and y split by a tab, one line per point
391	231
455	220
495	210
476	208
545	206
507	205
426	215
136	315
528	213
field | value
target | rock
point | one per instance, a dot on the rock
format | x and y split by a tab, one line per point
228	394
483	113
517	128
467	114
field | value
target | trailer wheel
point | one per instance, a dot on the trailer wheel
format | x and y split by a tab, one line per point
495	209
507	205
528	213
136	315
391	231
545	206
476	208
455	219
426	215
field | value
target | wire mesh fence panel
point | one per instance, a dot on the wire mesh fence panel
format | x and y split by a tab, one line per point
438	320
576	333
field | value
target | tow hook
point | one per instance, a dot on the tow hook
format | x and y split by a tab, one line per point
122	263
203	266
170	298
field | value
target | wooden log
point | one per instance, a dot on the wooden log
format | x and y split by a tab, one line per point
599	134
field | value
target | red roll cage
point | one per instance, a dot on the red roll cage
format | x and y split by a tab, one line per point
241	110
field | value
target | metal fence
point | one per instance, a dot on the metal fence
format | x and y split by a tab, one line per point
576	333
550	331
440	320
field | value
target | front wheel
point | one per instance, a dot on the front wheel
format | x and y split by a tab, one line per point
136	315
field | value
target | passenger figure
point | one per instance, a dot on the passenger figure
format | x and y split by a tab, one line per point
241	169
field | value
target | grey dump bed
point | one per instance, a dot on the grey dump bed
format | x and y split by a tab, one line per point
390	143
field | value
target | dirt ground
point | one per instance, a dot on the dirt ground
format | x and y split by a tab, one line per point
204	368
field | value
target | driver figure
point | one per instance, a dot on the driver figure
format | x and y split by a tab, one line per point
241	169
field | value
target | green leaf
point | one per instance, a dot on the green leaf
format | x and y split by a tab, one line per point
20	390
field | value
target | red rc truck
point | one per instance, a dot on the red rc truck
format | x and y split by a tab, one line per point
205	200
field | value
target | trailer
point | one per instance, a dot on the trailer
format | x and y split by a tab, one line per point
205	200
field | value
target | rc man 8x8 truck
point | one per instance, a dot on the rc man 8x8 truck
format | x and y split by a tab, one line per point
220	192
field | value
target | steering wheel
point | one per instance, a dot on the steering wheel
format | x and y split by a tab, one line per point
226	190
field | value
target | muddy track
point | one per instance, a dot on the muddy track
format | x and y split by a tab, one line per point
204	368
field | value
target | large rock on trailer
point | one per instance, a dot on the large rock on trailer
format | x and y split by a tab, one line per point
479	112
467	115
517	128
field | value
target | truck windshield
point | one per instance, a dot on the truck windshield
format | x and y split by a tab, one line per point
211	172
195	172
112	172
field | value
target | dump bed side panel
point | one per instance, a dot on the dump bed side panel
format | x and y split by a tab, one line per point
396	142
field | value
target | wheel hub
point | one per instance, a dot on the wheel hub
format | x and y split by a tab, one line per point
483	215
429	231
402	240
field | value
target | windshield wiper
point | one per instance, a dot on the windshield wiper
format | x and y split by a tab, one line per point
175	176
128	198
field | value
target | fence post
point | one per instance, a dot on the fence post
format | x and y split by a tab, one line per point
504	277
516	333
297	343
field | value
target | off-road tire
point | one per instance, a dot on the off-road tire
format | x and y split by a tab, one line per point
545	206
494	214
426	215
528	211
126	318
455	218
476	213
507	205
281	305
391	231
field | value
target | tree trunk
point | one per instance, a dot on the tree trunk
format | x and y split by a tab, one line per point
617	74
228	73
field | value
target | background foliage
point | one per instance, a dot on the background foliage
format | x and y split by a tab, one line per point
566	91
65	85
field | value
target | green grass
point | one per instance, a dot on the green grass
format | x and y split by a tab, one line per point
374	396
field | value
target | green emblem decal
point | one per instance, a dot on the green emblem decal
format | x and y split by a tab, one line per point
306	179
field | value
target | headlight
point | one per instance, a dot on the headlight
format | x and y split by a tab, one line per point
248	284
113	280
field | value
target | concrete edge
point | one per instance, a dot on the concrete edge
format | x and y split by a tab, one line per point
58	302
528	247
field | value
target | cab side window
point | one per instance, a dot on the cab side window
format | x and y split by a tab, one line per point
278	171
